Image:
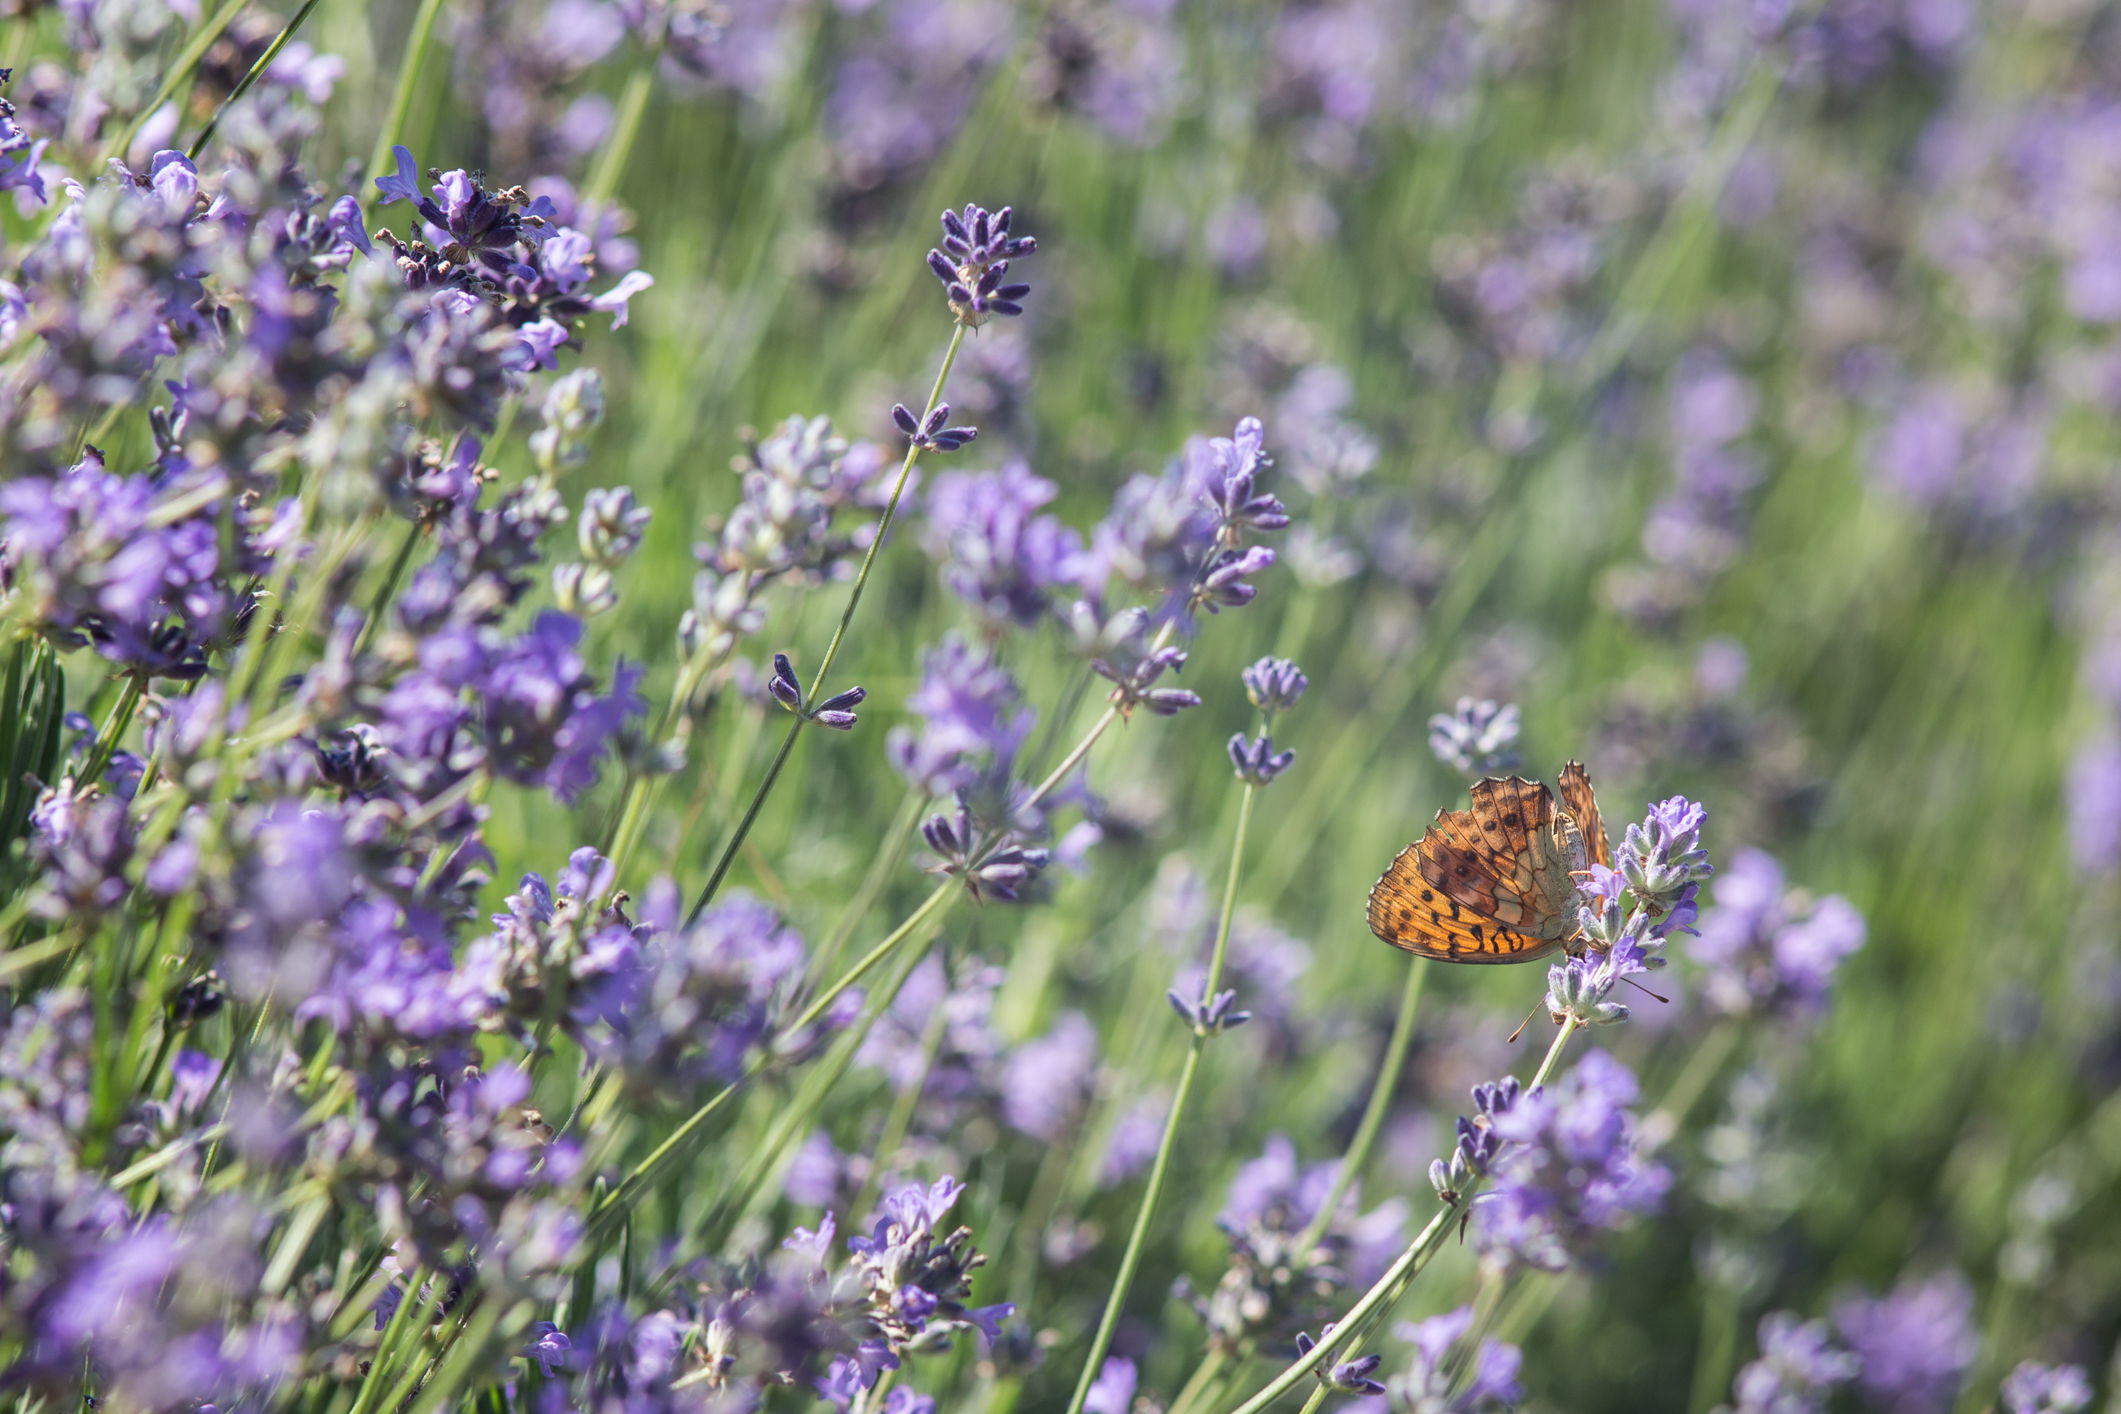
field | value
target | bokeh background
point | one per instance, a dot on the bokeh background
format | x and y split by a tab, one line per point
1732	386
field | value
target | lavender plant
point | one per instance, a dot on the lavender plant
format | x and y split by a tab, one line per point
429	981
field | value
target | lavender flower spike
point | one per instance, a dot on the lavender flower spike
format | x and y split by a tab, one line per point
2033	1388
932	436
1274	684
1798	1368
1349	1376
980	249
1257	762
783	685
1475	737
836	711
1210	1014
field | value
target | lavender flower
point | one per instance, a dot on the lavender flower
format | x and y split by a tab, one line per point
914	1278
1345	1376
992	862
1133	1142
931	435
1770	949
1273	1285
691	1004
1046	1079
836	711
980	249
2093	794
1424	1387
545	720
1119	652
969	723
1112	1392
2033	1388
1478	1140
1256	761
1569	1167
1797	1372
1915	1345
1475	738
1274	685
1208	1015
1181	535
994	551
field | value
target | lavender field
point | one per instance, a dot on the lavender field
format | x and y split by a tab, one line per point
699	700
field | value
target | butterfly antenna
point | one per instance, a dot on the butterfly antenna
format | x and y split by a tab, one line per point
1541	1006
1640	988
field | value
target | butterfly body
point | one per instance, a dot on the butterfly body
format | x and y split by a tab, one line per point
1495	883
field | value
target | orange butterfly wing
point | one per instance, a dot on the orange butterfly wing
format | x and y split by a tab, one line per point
1582	805
1485	885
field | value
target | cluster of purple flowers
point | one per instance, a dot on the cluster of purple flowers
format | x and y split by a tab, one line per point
1568	1165
1662	868
1475	737
1484	1378
1276	1283
1767	949
1914	1347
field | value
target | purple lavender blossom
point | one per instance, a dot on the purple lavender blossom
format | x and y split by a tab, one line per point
1769	949
979	250
1134	1139
2033	1388
546	722
1274	684
1046	1079
1915	1345
2093	791
695	1003
1797	1372
1273	1191
1118	649
1475	737
914	1277
1112	1392
1425	1385
931	435
992	860
1569	1168
955	1067
1274	1286
1256	760
969	723
993	550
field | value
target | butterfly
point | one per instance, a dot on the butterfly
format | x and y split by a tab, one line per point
1495	883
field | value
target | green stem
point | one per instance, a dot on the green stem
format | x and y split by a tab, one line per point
121	716
272	52
743	827
839	634
1130	1260
388	590
1202	1379
1373	1115
1392	1283
611	162
423	27
1712	1353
